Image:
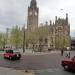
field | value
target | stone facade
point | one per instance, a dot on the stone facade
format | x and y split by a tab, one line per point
59	31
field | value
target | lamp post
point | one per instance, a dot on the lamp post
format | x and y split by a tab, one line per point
24	39
6	38
8	33
7	30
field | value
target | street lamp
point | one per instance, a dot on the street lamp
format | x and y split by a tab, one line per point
7	36
24	38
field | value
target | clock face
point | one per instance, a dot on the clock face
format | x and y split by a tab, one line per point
36	13
30	13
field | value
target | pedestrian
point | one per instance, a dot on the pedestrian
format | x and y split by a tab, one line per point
33	49
68	52
62	52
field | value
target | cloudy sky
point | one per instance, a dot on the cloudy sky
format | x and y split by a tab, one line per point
14	12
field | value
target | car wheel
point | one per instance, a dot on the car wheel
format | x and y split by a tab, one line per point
4	57
18	58
66	67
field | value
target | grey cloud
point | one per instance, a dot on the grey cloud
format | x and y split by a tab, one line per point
15	11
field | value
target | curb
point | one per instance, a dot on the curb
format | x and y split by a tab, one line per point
42	53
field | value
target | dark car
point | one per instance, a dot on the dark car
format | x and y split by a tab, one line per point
69	64
12	54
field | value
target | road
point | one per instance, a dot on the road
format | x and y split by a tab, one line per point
33	62
41	64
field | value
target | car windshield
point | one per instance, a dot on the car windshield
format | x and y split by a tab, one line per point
16	51
9	51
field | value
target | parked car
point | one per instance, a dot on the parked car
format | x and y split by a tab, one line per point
12	54
69	64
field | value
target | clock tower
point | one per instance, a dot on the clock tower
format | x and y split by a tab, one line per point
32	20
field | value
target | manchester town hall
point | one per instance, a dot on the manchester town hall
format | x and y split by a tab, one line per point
43	37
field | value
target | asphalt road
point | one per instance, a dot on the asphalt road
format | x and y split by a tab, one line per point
33	62
48	64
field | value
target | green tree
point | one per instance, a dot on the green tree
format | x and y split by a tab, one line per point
16	37
2	40
62	41
31	37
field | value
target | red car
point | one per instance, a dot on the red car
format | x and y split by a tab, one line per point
12	54
69	64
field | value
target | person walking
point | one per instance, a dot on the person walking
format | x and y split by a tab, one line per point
62	51
68	52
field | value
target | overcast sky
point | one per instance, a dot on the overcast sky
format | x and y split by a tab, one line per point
14	12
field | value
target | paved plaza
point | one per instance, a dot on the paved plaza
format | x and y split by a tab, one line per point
10	71
48	63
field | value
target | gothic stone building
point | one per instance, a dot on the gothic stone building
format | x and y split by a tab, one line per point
59	31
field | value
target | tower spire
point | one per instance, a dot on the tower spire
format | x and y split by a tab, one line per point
33	3
33	10
67	18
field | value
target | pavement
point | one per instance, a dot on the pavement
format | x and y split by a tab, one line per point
29	52
9	71
40	53
56	71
